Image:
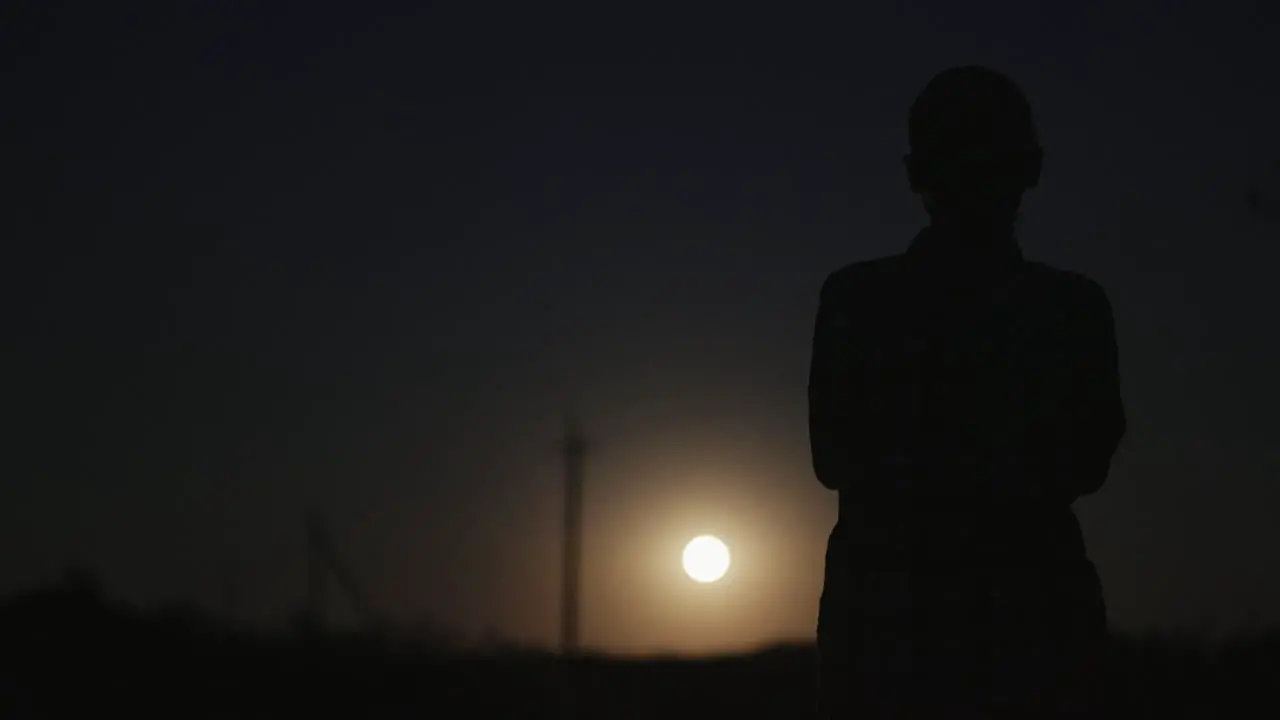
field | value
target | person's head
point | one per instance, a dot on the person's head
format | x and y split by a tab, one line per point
973	143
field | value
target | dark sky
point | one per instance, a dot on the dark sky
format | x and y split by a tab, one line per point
363	259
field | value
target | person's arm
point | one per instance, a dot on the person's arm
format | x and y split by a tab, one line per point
830	419
1067	454
1093	418
849	446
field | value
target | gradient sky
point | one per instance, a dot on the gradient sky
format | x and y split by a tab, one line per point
362	260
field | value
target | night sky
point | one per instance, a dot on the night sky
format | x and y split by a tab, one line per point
362	261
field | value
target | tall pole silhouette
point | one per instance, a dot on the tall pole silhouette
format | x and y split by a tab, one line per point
575	451
325	562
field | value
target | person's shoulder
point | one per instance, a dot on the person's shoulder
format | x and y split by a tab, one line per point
1063	279
1067	288
863	274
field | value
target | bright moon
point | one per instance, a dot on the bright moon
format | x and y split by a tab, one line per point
706	559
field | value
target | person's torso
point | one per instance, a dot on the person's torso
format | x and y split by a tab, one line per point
955	364
952	363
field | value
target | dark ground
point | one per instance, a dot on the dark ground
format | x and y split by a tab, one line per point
67	652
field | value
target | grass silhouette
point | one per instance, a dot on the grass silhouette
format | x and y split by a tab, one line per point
66	651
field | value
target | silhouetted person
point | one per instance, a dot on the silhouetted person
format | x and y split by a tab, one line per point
961	398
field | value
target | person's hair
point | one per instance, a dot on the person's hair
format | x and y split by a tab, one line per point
970	106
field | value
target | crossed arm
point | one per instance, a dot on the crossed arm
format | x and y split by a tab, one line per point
858	446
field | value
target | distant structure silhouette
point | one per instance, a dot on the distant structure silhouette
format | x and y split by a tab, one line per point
961	398
575	453
325	562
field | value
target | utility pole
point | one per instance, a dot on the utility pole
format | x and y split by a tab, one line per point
575	451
